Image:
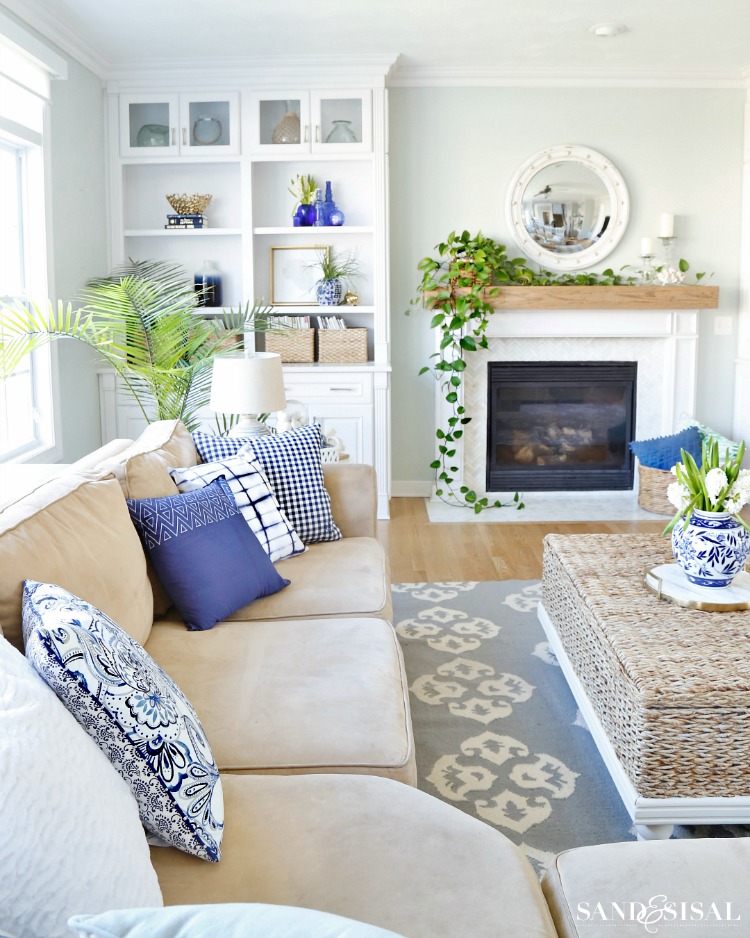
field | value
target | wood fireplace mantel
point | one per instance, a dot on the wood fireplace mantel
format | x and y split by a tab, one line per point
570	297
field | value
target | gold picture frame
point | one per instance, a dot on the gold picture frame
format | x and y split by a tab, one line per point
293	275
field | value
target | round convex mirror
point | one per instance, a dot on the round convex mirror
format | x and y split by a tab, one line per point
567	207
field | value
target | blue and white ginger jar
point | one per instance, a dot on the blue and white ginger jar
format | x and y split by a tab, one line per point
712	549
330	292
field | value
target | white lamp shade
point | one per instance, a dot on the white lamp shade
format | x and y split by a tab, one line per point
248	383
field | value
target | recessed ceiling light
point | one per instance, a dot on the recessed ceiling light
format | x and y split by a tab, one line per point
608	30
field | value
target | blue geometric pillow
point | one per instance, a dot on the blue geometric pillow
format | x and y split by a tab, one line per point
291	462
136	714
254	498
207	558
663	452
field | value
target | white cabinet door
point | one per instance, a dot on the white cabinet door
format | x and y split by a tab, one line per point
350	424
148	125
342	121
174	125
302	122
210	124
278	122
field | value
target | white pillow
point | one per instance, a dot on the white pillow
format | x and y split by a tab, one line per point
254	498
70	837
234	920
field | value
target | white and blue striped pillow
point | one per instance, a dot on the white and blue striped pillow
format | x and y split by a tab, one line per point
291	462
253	496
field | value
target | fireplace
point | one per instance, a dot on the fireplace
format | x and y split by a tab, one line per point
560	426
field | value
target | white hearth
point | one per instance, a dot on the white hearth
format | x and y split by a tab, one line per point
664	343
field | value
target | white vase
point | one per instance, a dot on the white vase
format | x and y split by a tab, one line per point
712	549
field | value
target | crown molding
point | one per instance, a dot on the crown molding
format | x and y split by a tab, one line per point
435	76
57	32
271	71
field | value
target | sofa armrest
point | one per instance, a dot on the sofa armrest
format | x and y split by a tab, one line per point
354	497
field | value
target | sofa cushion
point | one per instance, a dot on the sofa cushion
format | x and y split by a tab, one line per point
171	439
291	461
70	836
369	849
328	695
337	578
232	920
635	874
135	713
254	498
205	555
75	531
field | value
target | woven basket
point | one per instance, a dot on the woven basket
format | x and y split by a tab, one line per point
652	490
336	346
294	345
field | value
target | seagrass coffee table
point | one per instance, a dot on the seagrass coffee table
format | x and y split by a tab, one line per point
664	690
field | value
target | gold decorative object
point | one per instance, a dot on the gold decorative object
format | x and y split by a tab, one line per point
351	298
189	204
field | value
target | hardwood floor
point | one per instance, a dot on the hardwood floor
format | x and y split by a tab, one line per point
423	552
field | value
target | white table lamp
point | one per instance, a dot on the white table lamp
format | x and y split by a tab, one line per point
249	384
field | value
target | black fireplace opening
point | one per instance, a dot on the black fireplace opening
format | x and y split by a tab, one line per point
560	426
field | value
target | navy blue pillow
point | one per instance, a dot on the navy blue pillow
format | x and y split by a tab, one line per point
663	452
204	553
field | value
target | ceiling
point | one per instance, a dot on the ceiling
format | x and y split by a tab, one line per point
687	40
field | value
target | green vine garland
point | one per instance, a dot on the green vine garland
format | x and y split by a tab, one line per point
457	286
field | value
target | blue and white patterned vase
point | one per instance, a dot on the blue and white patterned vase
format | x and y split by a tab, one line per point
712	549
330	292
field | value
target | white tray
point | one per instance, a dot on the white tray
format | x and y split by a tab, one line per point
668	582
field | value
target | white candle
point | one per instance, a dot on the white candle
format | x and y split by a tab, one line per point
666	226
647	247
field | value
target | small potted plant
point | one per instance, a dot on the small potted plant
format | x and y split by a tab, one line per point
336	274
710	540
303	189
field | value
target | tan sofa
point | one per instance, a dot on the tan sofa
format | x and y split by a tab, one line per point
304	700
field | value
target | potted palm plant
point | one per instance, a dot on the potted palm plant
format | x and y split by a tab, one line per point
144	322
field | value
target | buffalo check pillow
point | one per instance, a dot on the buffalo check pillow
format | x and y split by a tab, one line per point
254	498
292	464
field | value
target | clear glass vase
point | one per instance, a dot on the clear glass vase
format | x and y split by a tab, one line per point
342	133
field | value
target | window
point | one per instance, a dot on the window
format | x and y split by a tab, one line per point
26	403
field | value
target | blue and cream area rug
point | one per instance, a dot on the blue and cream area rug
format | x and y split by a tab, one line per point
497	731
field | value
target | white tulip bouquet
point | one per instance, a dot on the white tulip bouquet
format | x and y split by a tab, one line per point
712	487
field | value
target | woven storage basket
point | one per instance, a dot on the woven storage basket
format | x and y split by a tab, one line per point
336	346
294	345
652	490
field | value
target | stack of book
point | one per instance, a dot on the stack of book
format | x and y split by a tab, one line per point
186	221
331	322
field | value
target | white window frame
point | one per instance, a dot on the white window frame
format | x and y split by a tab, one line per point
26	66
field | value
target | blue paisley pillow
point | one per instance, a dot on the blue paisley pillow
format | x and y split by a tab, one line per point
136	714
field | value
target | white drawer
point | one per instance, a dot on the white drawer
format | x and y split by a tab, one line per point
353	388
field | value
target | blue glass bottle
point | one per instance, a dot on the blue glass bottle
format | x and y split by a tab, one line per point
319	208
328	206
207	283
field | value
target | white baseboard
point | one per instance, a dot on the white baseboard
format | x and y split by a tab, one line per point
411	489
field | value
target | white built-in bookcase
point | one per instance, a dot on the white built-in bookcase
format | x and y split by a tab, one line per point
248	176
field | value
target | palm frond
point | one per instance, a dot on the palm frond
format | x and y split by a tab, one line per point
145	323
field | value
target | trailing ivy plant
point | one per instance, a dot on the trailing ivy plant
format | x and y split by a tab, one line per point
457	286
471	265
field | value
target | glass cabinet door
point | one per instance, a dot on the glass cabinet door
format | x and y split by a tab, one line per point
210	124
280	122
342	121
148	125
